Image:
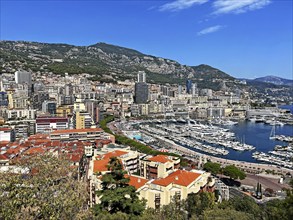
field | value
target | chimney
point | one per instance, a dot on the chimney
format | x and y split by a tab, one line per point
176	178
138	180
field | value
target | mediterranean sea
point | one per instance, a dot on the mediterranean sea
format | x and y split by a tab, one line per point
256	134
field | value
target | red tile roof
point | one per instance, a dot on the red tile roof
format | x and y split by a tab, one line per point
100	165
35	150
5	129
74	157
76	130
136	181
3	157
13	150
160	159
179	177
116	153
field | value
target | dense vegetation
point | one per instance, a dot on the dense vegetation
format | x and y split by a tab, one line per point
42	187
116	195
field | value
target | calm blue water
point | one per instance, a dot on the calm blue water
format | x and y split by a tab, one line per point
287	107
256	134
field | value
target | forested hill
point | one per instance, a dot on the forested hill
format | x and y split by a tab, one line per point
102	60
110	63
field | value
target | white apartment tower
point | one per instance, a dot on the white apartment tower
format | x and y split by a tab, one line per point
141	77
23	77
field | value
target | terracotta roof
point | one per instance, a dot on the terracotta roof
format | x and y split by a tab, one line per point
116	153
76	130
38	136
3	157
5	129
74	157
136	181
35	150
160	158
100	165
13	150
179	177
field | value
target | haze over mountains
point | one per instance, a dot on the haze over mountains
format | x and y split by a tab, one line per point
275	80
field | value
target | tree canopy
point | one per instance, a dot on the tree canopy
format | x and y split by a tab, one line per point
117	195
233	172
213	168
42	187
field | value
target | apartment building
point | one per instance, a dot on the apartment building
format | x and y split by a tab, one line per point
47	124
153	167
88	134
179	184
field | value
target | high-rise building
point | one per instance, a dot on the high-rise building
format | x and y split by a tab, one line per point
188	86
49	106
194	89
141	93
92	107
180	90
82	119
23	77
141	77
3	99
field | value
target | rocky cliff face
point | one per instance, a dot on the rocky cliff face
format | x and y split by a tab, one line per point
96	59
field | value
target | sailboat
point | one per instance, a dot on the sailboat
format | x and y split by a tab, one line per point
273	132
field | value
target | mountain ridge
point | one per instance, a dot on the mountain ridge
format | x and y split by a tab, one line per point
111	63
275	80
102	60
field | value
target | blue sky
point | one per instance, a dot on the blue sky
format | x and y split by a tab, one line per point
244	38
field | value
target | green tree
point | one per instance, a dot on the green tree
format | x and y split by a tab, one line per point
42	187
247	205
195	204
227	214
172	211
213	168
116	195
233	172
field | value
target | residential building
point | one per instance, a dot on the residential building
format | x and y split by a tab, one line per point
89	134
141	93
141	77
188	86
49	107
3	99
22	77
178	184
160	166
6	134
47	124
82	119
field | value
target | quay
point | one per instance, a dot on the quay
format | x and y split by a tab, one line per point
254	168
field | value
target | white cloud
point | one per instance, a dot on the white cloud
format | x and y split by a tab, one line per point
181	4
238	6
210	30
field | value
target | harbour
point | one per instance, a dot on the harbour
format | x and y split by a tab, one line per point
245	140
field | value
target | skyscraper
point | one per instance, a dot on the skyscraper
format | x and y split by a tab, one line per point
141	92
194	89
23	77
188	86
141	77
141	89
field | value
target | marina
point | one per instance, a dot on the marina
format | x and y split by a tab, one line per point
242	141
